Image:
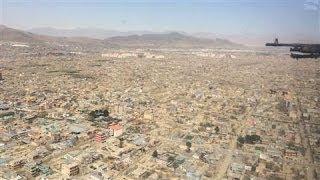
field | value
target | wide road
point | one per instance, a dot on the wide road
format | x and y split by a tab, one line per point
306	144
223	167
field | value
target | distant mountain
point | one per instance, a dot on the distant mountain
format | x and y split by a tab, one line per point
84	32
173	40
252	39
117	35
164	40
9	34
14	35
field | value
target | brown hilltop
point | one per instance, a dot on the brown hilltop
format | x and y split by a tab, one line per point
162	40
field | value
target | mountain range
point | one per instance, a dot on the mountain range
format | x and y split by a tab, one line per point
249	39
15	35
126	39
95	33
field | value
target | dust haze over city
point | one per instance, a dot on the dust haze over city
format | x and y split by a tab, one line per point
160	89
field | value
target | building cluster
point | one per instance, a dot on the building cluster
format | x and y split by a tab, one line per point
214	55
131	54
181	117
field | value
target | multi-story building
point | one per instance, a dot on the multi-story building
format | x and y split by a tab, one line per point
70	169
100	137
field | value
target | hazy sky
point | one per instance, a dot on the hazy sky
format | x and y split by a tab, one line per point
217	16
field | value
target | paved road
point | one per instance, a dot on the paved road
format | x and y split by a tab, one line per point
222	169
306	144
227	160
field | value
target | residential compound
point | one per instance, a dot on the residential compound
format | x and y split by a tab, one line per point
169	114
131	54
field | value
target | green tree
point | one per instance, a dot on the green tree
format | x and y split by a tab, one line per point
241	140
217	129
170	159
155	154
188	144
121	142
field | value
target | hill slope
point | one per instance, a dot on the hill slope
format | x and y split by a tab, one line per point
14	35
172	40
9	34
95	33
167	40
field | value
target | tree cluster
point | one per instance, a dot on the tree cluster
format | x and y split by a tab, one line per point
249	139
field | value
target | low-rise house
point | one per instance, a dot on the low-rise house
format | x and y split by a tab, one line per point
116	129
